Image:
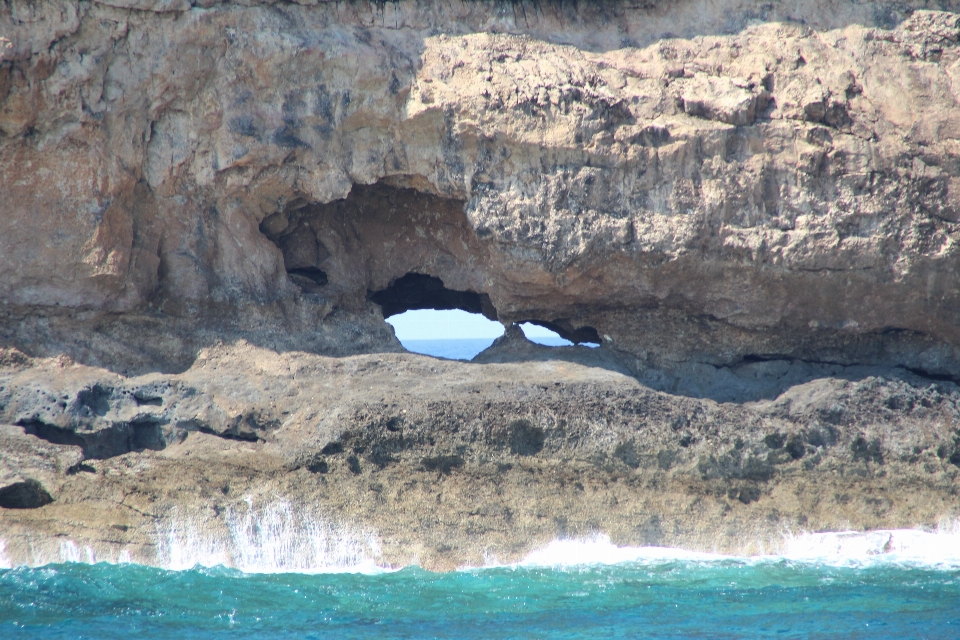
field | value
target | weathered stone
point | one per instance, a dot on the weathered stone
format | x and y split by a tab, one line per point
539	440
703	200
752	207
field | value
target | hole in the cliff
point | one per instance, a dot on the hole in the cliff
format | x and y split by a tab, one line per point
451	333
417	256
526	439
144	399
51	433
431	319
146	433
332	449
552	335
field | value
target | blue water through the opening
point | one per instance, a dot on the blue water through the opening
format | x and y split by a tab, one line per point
677	599
458	335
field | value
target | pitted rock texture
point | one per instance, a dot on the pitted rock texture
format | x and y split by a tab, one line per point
706	194
207	208
453	463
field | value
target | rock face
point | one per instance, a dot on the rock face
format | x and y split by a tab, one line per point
453	463
739	200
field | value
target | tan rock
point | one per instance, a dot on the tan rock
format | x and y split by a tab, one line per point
744	202
452	463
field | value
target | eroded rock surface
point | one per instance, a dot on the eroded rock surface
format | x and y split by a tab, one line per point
455	463
761	190
747	204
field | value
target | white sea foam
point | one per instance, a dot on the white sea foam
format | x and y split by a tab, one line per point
277	537
274	537
4	560
44	551
939	548
599	550
913	547
69	551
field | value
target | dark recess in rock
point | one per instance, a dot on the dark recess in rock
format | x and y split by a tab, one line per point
141	400
317	465
866	450
795	447
317	276
332	448
145	433
775	440
443	464
939	377
137	435
28	494
353	463
420	291
95	400
526	439
242	436
80	467
51	433
955	458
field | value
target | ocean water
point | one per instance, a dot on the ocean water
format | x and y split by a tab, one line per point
902	584
467	348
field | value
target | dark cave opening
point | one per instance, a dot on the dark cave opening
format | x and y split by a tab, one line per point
302	251
421	291
313	274
28	494
357	246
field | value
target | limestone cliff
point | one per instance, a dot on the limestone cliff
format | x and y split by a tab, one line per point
750	205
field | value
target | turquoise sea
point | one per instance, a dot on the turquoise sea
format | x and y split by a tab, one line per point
666	598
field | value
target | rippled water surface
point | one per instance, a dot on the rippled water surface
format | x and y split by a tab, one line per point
662	599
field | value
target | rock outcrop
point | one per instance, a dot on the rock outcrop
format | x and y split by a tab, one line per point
752	207
453	463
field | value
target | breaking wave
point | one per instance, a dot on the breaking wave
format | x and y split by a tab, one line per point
938	549
277	537
913	547
273	538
